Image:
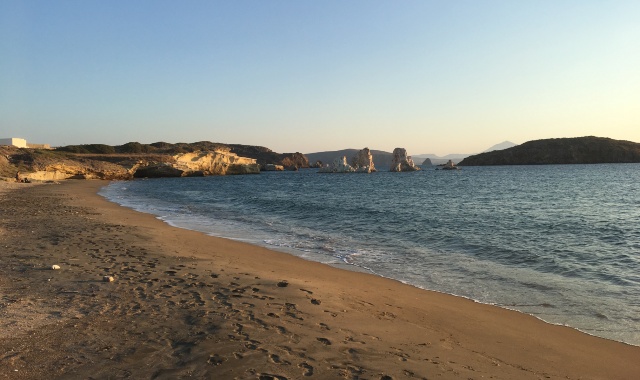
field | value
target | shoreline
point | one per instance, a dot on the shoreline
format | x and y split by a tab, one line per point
550	312
184	302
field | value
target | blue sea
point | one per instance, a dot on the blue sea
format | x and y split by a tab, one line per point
559	242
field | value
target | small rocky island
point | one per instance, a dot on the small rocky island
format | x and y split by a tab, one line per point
577	150
449	166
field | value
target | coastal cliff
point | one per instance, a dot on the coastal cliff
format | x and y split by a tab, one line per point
262	155
46	165
578	150
133	160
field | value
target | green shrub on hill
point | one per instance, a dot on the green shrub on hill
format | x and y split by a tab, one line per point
88	148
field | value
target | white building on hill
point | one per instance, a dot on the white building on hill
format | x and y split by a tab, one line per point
22	143
13	141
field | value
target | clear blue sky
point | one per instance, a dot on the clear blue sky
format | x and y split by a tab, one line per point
430	76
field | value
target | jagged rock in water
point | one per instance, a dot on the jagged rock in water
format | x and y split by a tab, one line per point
450	166
339	165
234	169
426	163
362	162
402	162
297	160
273	168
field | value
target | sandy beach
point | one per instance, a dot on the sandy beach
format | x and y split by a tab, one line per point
187	305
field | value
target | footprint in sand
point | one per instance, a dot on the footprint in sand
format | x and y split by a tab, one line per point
277	360
267	376
352	372
307	369
323	326
294	316
324	341
216	360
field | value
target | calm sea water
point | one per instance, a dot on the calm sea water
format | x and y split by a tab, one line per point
561	243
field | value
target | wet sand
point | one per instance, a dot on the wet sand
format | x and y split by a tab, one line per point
187	305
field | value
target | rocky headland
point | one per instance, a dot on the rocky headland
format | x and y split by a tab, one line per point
135	160
578	150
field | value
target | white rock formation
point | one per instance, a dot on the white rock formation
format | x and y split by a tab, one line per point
339	165
217	162
202	163
362	162
402	162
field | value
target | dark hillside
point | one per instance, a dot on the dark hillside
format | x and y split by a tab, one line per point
577	150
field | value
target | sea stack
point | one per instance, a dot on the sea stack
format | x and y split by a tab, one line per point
402	162
339	165
362	162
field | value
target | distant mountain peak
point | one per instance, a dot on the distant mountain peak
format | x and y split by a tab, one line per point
501	146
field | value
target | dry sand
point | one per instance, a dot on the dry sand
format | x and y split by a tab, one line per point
186	305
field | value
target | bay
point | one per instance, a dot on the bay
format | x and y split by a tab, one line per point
559	242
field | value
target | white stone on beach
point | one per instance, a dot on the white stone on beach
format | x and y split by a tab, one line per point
55	267
108	279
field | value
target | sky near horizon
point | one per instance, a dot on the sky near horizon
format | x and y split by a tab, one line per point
430	76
